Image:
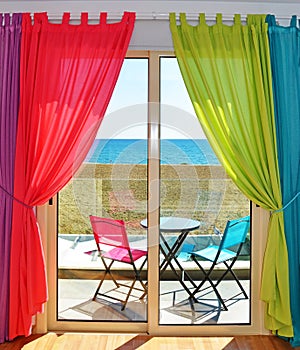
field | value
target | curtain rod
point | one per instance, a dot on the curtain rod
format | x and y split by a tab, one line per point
153	16
143	16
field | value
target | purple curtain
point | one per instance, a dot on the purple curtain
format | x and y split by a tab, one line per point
10	39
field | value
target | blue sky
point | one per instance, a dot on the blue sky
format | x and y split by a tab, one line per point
126	116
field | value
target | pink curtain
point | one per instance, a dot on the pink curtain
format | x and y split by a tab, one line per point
68	73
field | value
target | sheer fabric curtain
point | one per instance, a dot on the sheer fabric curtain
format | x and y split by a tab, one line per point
227	73
10	42
285	58
68	73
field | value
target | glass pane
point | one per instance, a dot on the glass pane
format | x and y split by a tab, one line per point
112	183
197	200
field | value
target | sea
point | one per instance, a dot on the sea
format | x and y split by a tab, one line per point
134	151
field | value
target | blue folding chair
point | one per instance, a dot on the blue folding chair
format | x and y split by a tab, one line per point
226	252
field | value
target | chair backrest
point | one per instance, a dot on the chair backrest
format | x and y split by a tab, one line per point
109	232
235	232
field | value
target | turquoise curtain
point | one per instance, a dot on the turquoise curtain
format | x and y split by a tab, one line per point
227	73
285	59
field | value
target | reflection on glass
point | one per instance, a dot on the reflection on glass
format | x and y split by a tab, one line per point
112	183
197	199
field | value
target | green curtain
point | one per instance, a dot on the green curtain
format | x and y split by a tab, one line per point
226	70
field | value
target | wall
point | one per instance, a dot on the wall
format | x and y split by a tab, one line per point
152	32
152	25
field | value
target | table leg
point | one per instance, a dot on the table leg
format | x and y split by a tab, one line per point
170	255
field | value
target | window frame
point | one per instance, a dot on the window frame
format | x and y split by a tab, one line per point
47	218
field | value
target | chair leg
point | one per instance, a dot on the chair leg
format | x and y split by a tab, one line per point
217	294
207	278
107	272
137	277
131	289
229	269
145	287
128	295
206	274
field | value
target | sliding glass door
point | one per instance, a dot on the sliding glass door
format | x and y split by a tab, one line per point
151	167
196	201
112	183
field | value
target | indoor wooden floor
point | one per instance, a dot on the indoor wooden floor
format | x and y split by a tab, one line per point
80	341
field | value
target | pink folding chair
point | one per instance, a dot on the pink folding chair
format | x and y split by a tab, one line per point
112	234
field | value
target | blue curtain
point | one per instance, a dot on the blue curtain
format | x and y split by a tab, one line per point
285	64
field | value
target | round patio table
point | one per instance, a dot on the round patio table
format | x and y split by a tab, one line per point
182	226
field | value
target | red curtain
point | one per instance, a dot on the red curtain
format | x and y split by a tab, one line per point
68	73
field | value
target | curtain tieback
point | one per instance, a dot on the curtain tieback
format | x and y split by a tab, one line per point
287	205
15	199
